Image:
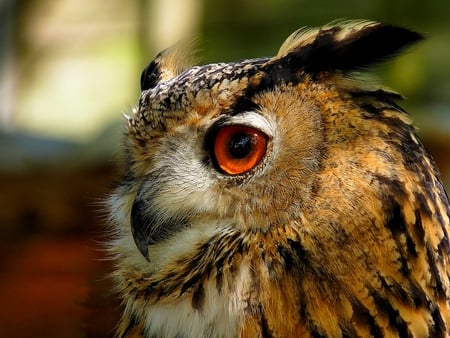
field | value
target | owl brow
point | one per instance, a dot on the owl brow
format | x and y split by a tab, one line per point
221	121
242	104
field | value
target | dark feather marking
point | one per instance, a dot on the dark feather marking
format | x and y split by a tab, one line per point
316	334
299	250
288	260
150	289
392	187
265	329
413	157
396	290
198	297
439	288
381	96
362	314
191	282
442	223
438	329
201	270
400	138
359	50
219	279
350	334
305	316
418	295
280	73
150	75
133	322
385	100
443	248
369	111
423	205
418	228
410	246
397	225
413	160
395	320
396	222
224	249
397	189
243	104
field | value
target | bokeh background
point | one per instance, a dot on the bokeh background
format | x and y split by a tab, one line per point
70	68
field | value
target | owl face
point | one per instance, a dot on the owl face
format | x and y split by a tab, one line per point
208	149
253	191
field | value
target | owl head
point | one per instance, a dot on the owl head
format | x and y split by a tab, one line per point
293	162
241	143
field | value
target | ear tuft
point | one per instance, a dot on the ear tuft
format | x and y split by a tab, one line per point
168	64
344	46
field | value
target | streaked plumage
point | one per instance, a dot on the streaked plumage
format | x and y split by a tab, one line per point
323	215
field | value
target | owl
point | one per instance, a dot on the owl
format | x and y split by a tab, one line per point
285	196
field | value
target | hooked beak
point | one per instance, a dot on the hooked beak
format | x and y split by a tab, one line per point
150	226
140	228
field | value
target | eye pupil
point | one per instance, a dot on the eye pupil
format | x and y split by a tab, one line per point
240	146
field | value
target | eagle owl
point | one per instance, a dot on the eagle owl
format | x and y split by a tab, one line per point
280	197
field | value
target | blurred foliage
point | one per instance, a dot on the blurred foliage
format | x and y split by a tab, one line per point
99	48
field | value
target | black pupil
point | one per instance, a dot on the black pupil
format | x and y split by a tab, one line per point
240	145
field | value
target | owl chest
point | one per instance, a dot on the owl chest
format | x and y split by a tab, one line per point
205	310
248	299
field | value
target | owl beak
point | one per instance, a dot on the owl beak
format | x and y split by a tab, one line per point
139	228
150	227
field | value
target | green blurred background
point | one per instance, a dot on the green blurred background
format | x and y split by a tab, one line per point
69	69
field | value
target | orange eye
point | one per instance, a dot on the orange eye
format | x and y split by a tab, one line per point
238	149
